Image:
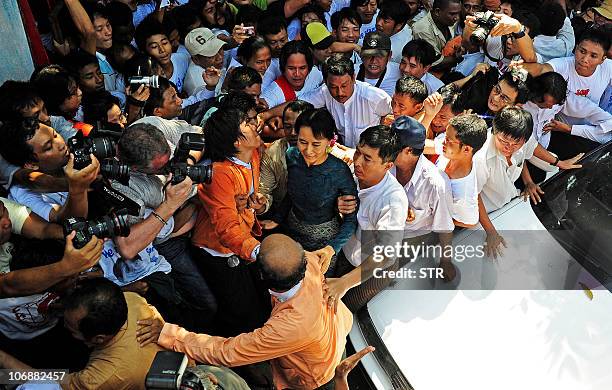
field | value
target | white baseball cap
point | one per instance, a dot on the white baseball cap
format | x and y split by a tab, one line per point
202	41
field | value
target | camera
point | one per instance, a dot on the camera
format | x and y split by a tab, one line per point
149	81
81	147
109	226
248	30
485	22
169	371
179	167
113	169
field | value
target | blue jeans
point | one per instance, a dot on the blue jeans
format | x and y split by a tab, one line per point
188	280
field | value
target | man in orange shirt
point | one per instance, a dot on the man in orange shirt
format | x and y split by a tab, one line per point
304	338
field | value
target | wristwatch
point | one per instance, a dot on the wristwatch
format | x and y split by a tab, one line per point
519	34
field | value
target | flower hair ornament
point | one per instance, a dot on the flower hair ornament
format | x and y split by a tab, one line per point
519	74
332	143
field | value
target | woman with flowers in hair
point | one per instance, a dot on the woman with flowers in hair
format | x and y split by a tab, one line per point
315	180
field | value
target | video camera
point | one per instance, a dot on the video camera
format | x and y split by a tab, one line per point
485	22
149	81
109	226
169	371
179	167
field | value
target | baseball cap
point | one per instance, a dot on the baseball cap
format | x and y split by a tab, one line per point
410	132
376	44
605	10
201	41
319	36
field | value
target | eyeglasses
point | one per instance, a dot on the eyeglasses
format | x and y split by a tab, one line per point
507	143
498	92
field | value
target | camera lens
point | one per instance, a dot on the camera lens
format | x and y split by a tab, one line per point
113	225
103	147
200	173
479	36
113	169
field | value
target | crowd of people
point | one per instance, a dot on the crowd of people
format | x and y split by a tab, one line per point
201	176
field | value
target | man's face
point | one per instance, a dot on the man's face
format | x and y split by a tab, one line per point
309	17
276	42
403	104
260	61
116	116
367	11
471	6
159	47
588	56
375	65
104	33
322	55
171	104
296	71
413	6
449	15
250	137
547	102
288	126
5	224
71	104
387	26
49	149
502	95
412	67
452	148
347	32
506	145
369	167
214	61
38	111
340	87
506	9
91	78
440	121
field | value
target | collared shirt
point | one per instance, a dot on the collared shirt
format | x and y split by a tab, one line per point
273	176
392	74
382	208
304	338
430	197
398	41
363	109
432	82
495	177
561	45
426	29
287	295
273	94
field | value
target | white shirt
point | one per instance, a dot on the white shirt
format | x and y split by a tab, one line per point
366	28
398	41
194	81
287	295
432	82
599	128
273	94
383	207
592	87
363	109
271	74
180	63
495	178
389	80
465	194
430	197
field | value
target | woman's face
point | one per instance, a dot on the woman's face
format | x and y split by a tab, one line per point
114	115
71	104
260	61
313	149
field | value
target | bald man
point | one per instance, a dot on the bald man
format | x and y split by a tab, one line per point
304	338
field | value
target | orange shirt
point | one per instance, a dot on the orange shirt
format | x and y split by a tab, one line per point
219	226
303	337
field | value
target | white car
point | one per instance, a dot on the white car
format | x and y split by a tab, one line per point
539	317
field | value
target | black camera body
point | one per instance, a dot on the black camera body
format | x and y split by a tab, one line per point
179	167
485	22
109	226
81	147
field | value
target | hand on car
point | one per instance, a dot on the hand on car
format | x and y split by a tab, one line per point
141	94
570	163
555	125
532	191
449	272
493	244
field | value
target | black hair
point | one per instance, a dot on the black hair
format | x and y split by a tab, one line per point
451	95
169	26
395	10
184	18
550	83
76	61
360	3
239	100
248	15
451	77
384	139
345	13
122	22
596	35
271	25
96	106
552	17
421	50
312	8
413	87
338	65
116	55
242	77
295	47
517	80
55	85
513	122
222	130
320	121
15	97
530	21
147	28
273	281
156	95
96	11
443	4
471	130
249	47
297	106
15	134
104	303
140	144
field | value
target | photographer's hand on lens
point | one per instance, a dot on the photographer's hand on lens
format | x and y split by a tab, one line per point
179	193
149	330
141	94
82	259
505	26
79	180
